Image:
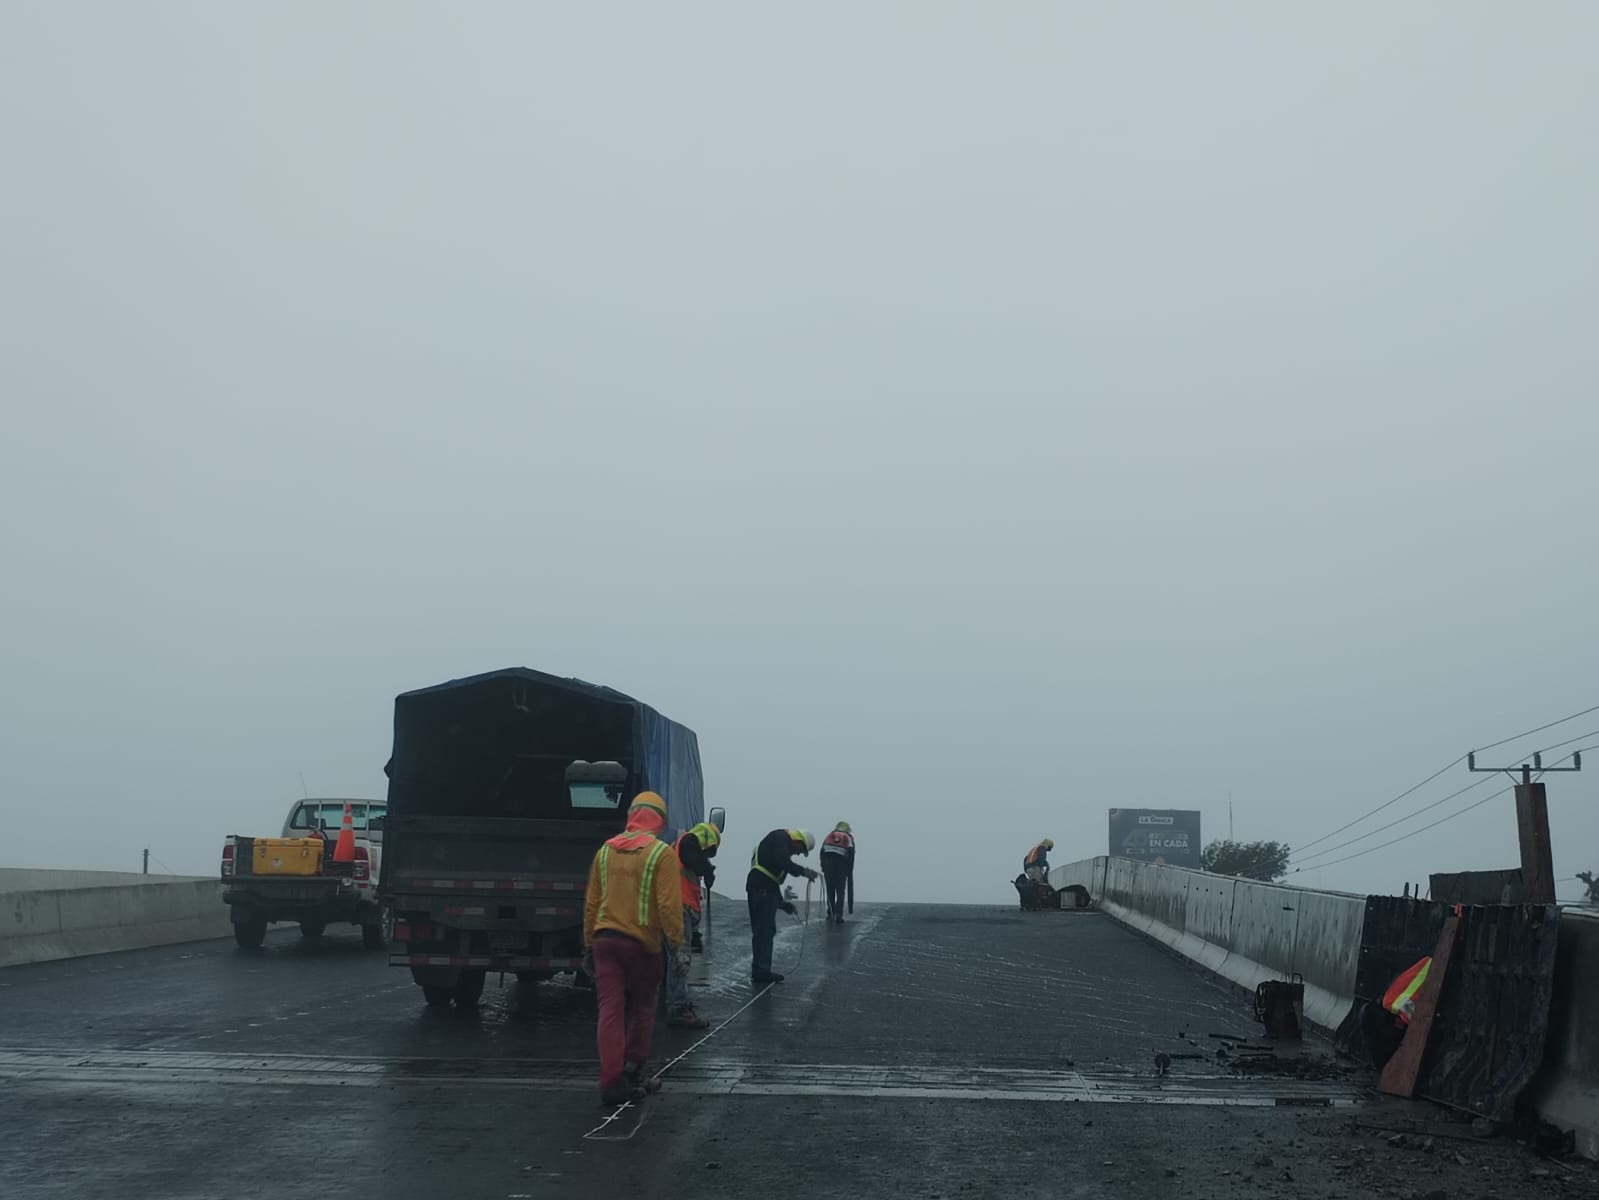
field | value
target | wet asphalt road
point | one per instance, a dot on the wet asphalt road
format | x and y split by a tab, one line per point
925	1051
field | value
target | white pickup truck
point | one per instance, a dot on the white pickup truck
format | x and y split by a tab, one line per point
295	877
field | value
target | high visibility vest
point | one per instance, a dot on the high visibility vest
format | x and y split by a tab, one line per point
1400	998
755	856
1033	856
691	882
646	887
838	841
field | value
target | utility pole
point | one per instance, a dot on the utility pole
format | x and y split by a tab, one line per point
1229	816
147	860
1532	825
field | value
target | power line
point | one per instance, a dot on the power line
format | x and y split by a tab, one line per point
1540	729
1404	836
1401	820
1386	804
1446	767
1579	738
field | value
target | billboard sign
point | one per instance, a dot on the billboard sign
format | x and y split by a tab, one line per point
1157	835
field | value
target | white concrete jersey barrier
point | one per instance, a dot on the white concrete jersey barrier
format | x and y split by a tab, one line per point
1248	932
48	915
1245	931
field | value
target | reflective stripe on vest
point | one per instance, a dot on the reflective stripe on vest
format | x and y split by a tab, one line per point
1400	998
645	884
755	856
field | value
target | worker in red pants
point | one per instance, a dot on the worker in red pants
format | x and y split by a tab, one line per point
632	905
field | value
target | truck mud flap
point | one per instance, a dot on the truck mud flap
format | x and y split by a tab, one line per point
1493	1014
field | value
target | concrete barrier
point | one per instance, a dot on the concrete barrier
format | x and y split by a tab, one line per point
1566	1088
47	915
1241	929
1247	932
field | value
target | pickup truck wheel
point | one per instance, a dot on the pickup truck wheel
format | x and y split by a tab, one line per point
311	930
250	934
378	937
437	997
469	987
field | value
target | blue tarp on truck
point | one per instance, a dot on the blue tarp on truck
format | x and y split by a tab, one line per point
497	745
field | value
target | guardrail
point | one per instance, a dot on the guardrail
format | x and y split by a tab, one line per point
46	915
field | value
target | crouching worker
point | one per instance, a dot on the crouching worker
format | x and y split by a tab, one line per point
1036	865
1383	1024
634	902
695	849
772	862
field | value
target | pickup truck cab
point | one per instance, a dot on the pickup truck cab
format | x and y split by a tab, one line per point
295	878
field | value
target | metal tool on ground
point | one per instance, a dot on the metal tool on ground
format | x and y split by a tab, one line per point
1280	1006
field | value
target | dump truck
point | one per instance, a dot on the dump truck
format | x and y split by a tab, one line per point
502	787
297	877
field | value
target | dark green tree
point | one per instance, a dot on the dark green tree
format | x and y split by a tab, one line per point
1252	860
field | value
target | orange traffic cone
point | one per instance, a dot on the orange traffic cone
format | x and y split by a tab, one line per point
344	848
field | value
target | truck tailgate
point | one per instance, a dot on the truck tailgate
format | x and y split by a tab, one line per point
483	854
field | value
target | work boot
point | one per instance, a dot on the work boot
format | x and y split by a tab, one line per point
622	1093
634	1074
687	1018
766	977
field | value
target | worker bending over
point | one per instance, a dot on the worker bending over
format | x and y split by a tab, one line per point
695	848
634	902
1036	865
772	862
838	866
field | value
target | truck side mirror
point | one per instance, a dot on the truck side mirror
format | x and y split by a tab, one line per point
719	819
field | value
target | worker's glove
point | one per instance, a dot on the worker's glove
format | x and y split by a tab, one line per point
588	961
813	876
710	878
788	907
683	956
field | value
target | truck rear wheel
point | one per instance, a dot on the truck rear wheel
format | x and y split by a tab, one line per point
250	934
469	987
311	930
436	996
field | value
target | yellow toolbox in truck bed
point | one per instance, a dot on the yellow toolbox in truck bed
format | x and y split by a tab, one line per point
286	856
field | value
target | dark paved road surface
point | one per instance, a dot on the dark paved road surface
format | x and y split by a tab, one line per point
919	1051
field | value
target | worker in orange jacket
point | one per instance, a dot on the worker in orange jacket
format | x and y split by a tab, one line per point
633	904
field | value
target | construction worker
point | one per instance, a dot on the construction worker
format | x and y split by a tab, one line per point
772	862
838	866
634	902
695	848
1383	1024
1036	865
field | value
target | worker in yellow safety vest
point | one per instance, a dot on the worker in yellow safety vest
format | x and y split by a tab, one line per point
1036	865
1383	1023
772	862
632	906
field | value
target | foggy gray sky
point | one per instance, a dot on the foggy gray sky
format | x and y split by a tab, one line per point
965	417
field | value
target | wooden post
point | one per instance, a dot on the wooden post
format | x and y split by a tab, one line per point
1532	830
